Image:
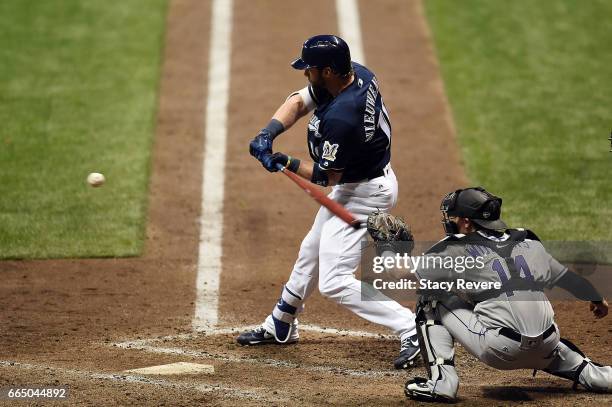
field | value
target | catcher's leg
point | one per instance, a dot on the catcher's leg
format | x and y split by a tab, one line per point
438	351
570	363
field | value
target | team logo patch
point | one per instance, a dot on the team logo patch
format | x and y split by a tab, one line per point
329	151
313	126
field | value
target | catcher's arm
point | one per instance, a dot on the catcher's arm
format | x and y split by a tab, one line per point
599	308
582	289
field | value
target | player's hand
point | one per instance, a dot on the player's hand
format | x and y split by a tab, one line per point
269	161
261	144
599	309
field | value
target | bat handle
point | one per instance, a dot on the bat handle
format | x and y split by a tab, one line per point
358	224
318	196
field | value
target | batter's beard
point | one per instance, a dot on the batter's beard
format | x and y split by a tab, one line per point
318	89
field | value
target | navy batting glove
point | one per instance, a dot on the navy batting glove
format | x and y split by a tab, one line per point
269	161
261	144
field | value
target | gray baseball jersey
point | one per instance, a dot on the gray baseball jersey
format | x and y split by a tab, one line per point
526	311
522	267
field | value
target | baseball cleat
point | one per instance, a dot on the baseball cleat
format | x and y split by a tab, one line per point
259	336
409	351
417	389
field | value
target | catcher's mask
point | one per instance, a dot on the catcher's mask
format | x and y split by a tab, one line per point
476	204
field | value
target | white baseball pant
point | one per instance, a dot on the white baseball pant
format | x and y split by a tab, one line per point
331	252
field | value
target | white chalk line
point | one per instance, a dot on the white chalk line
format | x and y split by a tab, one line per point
201	354
227	391
149	345
213	176
349	27
235	330
303	327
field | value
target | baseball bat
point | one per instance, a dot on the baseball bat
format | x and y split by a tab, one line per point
335	208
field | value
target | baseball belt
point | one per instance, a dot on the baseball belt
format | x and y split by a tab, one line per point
512	334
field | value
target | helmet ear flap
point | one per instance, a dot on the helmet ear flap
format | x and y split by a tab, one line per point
491	209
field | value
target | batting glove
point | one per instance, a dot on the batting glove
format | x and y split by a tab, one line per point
269	161
261	144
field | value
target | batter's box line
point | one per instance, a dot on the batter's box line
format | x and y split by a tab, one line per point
147	345
235	330
134	345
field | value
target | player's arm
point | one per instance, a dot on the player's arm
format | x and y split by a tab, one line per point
583	289
297	105
335	155
305	169
313	173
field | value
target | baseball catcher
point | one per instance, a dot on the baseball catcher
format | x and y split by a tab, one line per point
509	325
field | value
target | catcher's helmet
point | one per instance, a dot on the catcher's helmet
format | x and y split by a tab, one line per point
476	204
325	50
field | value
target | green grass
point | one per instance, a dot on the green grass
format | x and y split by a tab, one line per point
78	93
530	85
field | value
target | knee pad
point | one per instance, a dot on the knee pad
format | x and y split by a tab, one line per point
439	359
284	314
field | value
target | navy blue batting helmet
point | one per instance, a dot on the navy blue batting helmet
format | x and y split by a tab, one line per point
325	50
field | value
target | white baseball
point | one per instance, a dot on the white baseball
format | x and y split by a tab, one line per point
95	179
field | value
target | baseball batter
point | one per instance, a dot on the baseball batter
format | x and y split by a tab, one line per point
349	139
509	327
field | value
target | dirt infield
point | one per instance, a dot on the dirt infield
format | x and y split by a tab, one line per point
82	323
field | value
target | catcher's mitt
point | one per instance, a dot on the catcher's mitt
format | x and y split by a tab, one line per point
390	233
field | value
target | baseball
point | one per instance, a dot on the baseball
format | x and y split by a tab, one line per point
95	179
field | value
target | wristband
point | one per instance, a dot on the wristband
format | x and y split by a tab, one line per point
292	164
275	128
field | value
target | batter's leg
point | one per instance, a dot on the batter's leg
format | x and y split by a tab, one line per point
281	325
340	254
339	257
